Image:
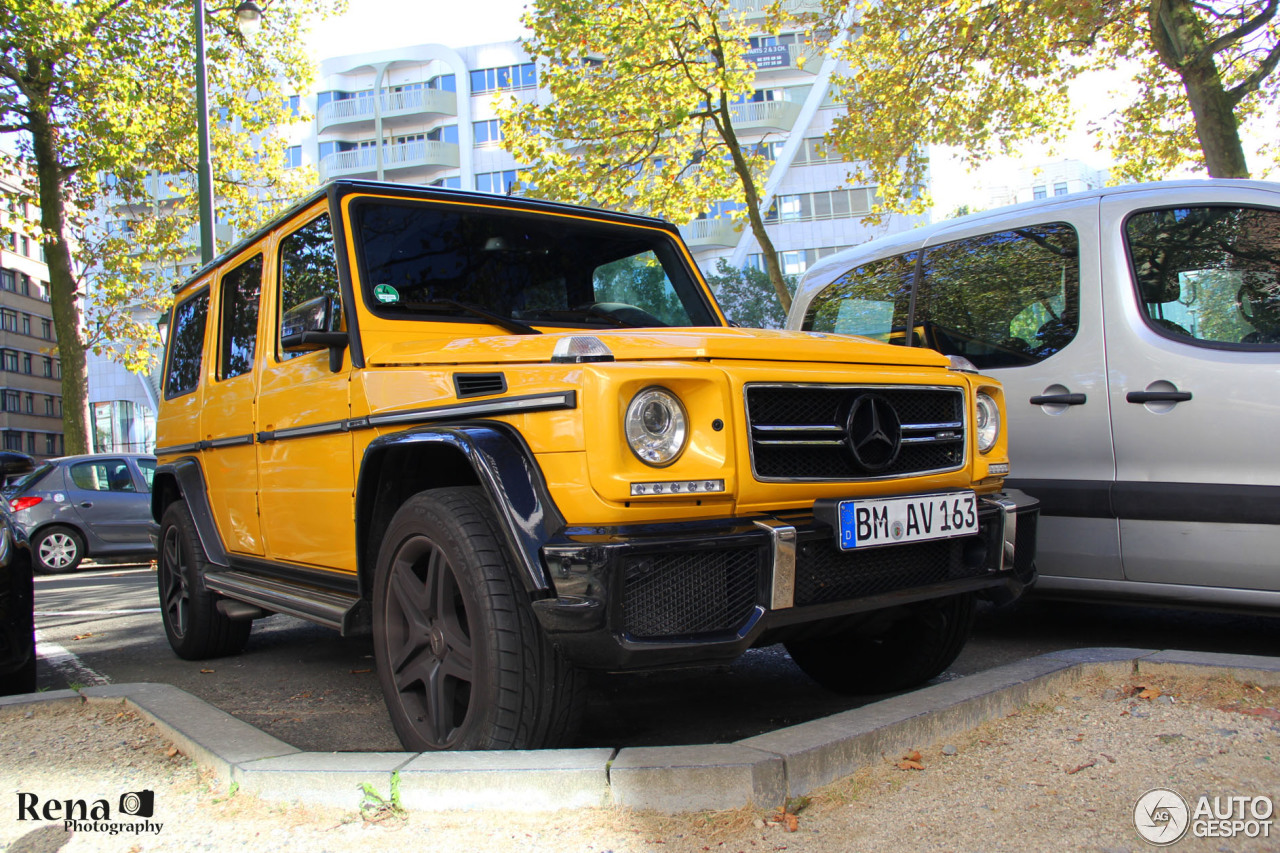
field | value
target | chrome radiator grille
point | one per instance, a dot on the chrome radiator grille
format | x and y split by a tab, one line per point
848	432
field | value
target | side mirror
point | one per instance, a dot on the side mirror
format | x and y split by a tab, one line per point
314	325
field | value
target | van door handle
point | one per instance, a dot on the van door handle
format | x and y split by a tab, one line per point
86	504
1158	396
1059	400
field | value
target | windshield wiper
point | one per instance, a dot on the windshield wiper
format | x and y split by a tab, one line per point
508	323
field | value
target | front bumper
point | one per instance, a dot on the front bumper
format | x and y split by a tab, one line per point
682	593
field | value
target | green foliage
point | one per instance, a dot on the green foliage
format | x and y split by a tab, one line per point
984	76
746	296
100	95
643	94
375	808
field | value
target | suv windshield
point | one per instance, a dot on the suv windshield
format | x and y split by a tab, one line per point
428	260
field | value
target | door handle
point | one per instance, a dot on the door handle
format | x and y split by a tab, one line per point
1058	400
1158	396
86	504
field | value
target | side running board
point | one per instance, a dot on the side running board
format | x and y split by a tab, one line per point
348	614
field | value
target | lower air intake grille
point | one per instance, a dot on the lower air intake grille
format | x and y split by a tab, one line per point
672	595
825	574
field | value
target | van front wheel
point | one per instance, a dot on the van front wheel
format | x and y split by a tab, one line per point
462	660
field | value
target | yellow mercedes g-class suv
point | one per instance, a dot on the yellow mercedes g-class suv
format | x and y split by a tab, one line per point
518	440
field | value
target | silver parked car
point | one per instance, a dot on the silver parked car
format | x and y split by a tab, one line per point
86	506
1136	331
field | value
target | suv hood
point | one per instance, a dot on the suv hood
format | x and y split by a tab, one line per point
666	344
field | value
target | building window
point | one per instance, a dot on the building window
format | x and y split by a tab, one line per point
7	280
51	444
26	324
29	403
40	291
508	77
1060	188
294	104
48	406
46	329
443	83
1039	192
293	157
11	400
11	361
453	183
835	204
488	132
13	440
9	320
31	443
26	363
498	183
448	133
47	363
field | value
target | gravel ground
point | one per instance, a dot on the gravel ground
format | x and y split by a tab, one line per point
1064	775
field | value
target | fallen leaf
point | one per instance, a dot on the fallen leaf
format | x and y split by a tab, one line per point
913	755
1075	770
910	765
1149	694
359	671
792	822
1266	713
207	671
82	636
172	751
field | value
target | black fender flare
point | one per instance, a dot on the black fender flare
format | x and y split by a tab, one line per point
188	477
505	468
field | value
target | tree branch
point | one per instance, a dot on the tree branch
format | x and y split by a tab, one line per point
1251	83
1244	30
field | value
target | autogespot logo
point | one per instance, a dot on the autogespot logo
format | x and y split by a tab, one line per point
1161	816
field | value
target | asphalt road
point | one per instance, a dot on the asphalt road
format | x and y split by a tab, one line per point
317	691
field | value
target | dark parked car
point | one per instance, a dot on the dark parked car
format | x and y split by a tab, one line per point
17	621
86	506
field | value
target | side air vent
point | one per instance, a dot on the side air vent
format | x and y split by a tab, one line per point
479	384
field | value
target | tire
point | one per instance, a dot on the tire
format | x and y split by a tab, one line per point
58	550
918	645
462	660
192	622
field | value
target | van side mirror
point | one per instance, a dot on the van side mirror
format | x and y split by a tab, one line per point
313	325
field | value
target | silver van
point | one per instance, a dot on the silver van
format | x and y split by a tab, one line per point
1136	331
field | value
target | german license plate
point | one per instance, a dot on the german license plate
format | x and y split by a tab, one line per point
919	518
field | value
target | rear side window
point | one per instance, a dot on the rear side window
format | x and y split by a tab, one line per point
1006	299
106	475
240	291
1209	275
871	300
148	469
186	345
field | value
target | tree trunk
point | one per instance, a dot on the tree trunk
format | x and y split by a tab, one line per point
754	215
62	289
1182	43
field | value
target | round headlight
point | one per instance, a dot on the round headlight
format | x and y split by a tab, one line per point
656	426
988	422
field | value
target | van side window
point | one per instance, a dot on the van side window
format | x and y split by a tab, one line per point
1209	274
1005	299
309	274
240	291
871	300
186	345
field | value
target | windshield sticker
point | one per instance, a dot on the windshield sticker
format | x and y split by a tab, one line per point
385	293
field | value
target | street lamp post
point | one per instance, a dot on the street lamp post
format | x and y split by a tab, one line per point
249	19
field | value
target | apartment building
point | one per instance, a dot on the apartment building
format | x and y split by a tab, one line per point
30	372
424	115
1045	180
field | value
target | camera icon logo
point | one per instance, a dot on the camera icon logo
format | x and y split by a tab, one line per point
138	803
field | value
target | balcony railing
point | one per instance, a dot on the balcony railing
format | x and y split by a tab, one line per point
765	115
710	233
405	155
393	104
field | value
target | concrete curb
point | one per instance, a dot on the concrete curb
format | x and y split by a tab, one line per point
761	771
